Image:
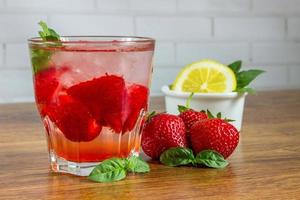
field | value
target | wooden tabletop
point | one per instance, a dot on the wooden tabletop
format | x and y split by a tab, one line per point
266	164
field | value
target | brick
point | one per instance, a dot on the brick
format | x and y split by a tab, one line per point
213	5
17	55
113	5
294	28
137	5
276	77
53	4
1	55
18	28
281	6
223	52
279	53
294	73
92	24
15	85
164	54
257	28
174	28
153	5
162	76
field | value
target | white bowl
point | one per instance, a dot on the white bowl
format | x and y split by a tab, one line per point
231	104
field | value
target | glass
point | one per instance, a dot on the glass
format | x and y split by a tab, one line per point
92	94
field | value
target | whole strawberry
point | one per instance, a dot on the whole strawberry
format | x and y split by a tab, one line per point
214	134
161	132
190	117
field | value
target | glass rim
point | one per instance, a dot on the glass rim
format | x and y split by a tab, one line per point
93	39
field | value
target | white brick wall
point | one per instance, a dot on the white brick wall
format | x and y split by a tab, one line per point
213	5
294	28
263	33
245	28
174	28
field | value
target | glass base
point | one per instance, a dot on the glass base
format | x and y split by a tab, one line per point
61	165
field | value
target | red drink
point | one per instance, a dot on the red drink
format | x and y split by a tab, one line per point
92	94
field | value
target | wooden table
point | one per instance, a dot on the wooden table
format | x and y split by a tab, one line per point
266	164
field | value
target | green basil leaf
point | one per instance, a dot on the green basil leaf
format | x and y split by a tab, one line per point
235	66
109	170
211	159
244	78
177	156
138	165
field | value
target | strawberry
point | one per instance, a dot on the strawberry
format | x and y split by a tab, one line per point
161	132
190	117
46	83
105	98
137	97
214	134
73	119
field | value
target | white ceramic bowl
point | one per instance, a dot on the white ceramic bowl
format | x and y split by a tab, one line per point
231	104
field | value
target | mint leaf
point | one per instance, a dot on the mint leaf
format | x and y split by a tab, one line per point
48	34
109	170
244	78
235	66
177	156
41	57
211	159
136	164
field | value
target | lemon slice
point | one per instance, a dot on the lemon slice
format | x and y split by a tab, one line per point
205	76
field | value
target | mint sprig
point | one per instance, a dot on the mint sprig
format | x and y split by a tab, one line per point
244	78
181	156
116	169
41	57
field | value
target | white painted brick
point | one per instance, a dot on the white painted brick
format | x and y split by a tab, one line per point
18	27
113	5
281	6
92	24
162	76
223	52
138	5
164	54
15	84
294	74
1	55
294	27
53	4
153	5
276	53
17	55
174	28
213	5
275	77
257	28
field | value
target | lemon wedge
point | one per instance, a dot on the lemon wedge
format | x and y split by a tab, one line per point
205	76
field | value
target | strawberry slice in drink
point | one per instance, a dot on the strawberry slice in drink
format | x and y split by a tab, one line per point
46	86
137	96
73	119
105	99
